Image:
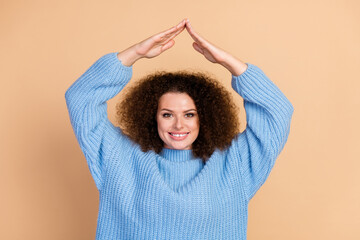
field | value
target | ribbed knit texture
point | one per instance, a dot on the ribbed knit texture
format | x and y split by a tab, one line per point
172	195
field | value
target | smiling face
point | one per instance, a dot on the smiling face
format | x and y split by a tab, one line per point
177	120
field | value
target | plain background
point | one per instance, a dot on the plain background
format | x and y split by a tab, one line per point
310	49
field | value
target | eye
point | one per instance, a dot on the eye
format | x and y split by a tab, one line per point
189	115
166	115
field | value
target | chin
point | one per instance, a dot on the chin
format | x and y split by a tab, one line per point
177	147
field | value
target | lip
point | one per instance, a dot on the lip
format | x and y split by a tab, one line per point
178	138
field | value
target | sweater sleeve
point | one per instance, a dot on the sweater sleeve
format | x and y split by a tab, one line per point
268	114
86	102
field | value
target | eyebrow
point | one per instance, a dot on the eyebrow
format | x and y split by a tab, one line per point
165	109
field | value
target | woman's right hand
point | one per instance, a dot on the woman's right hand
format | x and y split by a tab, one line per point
152	46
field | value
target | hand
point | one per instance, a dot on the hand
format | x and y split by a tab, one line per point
157	44
152	46
215	54
210	52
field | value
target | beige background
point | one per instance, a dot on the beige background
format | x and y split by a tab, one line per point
310	49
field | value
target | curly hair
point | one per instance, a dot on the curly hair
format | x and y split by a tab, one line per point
218	115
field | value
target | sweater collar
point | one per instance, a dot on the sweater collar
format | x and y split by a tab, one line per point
175	155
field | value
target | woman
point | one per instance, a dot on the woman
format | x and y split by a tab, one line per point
175	192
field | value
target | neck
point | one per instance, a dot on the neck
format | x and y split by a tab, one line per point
176	155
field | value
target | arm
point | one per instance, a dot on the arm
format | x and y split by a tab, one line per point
268	114
86	98
86	101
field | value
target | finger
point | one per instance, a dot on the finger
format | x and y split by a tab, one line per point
196	37
168	32
198	48
173	29
167	45
181	24
173	34
169	38
176	33
166	36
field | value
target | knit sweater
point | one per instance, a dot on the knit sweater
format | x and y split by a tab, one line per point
172	195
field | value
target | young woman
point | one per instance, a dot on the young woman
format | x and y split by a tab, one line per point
178	168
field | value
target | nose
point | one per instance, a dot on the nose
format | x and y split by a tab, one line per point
178	123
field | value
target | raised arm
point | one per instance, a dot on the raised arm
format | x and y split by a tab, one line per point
86	98
268	114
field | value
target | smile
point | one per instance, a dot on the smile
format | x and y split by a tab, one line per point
178	136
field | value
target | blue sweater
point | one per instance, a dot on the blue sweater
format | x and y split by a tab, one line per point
172	195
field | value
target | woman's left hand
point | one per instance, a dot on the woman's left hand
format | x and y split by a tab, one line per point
215	54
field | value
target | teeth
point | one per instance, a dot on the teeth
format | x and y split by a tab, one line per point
178	135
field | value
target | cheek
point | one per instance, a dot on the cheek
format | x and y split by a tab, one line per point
197	122
162	125
195	125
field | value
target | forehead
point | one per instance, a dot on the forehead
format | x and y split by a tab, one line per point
173	101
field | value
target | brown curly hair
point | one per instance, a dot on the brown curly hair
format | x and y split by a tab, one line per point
217	113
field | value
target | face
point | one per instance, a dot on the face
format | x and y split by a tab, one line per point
177	120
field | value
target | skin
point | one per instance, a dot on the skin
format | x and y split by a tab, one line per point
160	42
177	119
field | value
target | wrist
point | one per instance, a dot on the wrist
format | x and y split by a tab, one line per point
234	65
129	56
